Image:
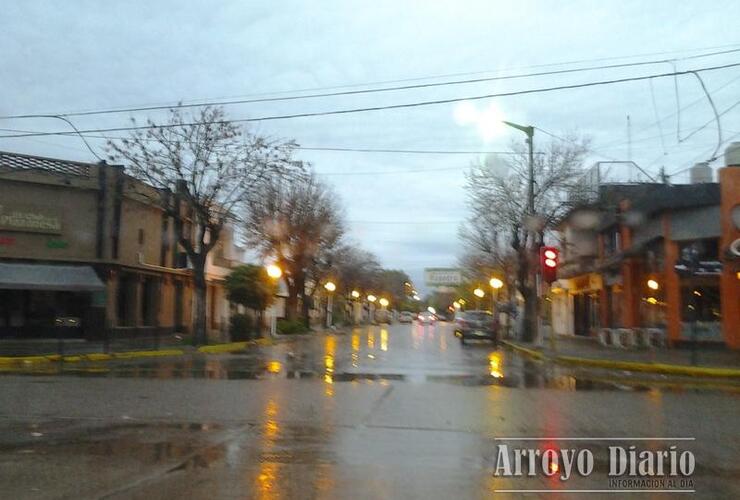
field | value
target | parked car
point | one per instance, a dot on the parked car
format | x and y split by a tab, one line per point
478	325
406	317
383	316
426	317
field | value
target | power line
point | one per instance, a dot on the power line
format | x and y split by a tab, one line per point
374	90
383	172
324	148
397	106
397	222
206	100
408	151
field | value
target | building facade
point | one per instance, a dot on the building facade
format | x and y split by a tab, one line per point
85	242
654	256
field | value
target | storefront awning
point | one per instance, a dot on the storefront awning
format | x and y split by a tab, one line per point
49	277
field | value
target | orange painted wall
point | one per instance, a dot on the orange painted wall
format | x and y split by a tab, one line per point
729	178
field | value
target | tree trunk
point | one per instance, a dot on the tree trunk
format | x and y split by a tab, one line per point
291	305
199	317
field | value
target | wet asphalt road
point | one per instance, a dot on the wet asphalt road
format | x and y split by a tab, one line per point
382	412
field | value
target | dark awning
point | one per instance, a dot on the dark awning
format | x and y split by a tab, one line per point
49	277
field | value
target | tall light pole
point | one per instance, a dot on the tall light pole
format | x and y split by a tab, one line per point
371	308
275	273
529	131
330	287
479	294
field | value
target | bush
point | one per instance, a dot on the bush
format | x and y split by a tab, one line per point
241	327
287	327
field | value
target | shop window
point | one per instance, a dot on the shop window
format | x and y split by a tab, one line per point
122	305
149	295
701	302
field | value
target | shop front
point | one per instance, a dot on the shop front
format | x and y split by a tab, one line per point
45	301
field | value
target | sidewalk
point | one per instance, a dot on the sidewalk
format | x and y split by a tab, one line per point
711	362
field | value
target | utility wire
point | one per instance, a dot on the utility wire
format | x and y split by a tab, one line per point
376	90
398	106
206	101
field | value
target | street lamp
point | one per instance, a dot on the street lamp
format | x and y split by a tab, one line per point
330	287
355	294
653	285
529	131
496	284
275	273
383	302
371	308
479	294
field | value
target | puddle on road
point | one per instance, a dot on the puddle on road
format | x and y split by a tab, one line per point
501	370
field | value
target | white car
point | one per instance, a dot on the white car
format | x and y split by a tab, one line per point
406	317
426	317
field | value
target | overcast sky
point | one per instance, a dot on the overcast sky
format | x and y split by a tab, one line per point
75	55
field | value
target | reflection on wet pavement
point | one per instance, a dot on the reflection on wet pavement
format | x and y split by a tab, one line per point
415	354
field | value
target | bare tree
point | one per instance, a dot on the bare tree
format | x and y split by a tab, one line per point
498	204
202	167
296	221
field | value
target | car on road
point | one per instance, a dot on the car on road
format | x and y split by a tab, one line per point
384	316
426	317
406	317
476	325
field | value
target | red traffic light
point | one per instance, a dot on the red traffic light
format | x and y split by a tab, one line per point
549	257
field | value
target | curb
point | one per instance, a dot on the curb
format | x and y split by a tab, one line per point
532	353
76	358
8	361
660	368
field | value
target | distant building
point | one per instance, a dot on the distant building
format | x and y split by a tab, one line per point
80	240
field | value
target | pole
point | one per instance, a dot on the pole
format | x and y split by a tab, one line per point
273	321
329	310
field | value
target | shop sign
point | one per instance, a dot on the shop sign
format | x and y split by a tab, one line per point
7	241
29	219
57	244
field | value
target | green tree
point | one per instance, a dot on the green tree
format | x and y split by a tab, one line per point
250	286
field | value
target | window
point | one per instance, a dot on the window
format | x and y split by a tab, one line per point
141	236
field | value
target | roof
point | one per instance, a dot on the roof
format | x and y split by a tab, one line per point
49	277
676	197
17	161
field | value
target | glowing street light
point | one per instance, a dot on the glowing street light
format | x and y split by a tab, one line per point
432	310
383	302
330	287
456	305
355	294
653	285
479	293
417	298
496	283
371	308
274	271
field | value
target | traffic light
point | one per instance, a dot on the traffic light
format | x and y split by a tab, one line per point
549	259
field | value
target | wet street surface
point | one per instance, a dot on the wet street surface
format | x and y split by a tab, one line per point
401	411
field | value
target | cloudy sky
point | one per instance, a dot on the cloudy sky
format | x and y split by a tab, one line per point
78	55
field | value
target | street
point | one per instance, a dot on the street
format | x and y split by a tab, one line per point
400	411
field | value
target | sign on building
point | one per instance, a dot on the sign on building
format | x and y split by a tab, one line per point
442	276
29	220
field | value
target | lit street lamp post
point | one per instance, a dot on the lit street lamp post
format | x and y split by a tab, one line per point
371	308
330	287
275	273
529	131
479	294
496	284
